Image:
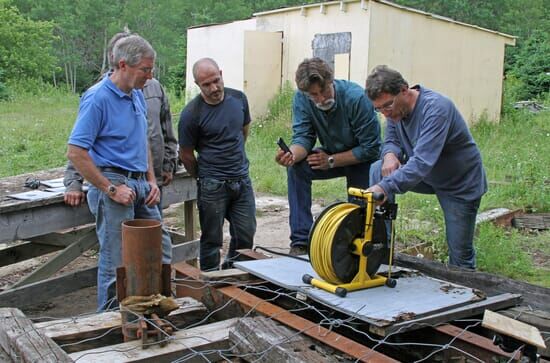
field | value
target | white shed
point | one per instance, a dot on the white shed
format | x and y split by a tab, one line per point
258	55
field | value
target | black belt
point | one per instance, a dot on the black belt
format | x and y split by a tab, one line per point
126	173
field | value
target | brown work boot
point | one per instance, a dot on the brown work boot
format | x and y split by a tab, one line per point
298	250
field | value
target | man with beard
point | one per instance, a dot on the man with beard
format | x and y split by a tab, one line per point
338	115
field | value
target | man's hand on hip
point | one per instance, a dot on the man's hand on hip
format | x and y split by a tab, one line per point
390	164
123	195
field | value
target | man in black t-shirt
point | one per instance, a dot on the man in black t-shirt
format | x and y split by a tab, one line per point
215	124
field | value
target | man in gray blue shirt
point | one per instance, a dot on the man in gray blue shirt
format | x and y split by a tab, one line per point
429	149
338	115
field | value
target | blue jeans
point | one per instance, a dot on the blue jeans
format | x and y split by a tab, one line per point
109	216
460	220
299	177
218	200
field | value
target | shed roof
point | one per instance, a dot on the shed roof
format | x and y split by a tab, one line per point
511	40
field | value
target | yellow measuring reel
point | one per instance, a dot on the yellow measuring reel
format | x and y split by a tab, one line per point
341	242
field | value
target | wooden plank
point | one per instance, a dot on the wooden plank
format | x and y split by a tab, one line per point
4	357
24	343
539	221
49	288
62	259
477	345
71	333
491	284
537	318
263	340
21	220
189	219
65	237
231	275
27	223
64	284
513	328
494	302
23	252
183	345
311	329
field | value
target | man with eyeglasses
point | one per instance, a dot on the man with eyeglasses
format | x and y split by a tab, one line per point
428	149
338	115
109	147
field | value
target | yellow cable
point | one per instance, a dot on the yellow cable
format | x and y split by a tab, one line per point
322	238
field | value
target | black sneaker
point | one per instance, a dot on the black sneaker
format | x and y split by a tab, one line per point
298	250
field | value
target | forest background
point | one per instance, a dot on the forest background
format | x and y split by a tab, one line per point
63	42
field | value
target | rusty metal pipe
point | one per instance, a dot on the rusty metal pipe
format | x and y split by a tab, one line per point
142	256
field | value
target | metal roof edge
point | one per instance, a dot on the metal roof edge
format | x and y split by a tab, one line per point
511	38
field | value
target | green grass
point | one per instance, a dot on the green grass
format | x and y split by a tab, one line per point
516	153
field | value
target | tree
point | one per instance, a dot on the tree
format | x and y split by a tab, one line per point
26	46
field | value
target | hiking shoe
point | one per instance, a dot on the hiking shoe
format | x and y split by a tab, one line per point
298	250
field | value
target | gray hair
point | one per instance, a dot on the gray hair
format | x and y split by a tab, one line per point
202	61
313	71
132	49
383	79
112	43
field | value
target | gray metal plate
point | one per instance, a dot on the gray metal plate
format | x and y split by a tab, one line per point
414	296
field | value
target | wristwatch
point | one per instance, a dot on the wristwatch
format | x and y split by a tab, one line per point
331	162
111	190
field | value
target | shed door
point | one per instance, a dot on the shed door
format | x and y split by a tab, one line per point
262	68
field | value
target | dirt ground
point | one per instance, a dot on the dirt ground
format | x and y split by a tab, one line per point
272	232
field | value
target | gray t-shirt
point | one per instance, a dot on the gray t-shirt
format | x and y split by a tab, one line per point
216	133
439	149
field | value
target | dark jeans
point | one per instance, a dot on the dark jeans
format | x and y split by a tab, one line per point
460	221
299	178
219	200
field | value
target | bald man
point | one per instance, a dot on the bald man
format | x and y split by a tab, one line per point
215	124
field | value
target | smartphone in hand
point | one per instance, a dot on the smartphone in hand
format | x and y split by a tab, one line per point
283	145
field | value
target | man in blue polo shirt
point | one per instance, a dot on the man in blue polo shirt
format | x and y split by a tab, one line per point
428	149
339	115
108	146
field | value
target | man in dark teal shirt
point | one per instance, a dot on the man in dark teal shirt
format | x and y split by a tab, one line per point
338	115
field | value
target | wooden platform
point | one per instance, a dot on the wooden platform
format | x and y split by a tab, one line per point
230	315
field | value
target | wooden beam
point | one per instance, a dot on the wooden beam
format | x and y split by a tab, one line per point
62	259
477	345
24	343
494	302
491	284
311	329
23	252
212	337
49	288
68	332
189	219
264	340
28	223
64	284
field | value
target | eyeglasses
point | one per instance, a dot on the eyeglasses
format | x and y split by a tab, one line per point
386	106
147	70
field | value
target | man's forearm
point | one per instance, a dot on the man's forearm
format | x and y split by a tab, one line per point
150	169
85	166
345	158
